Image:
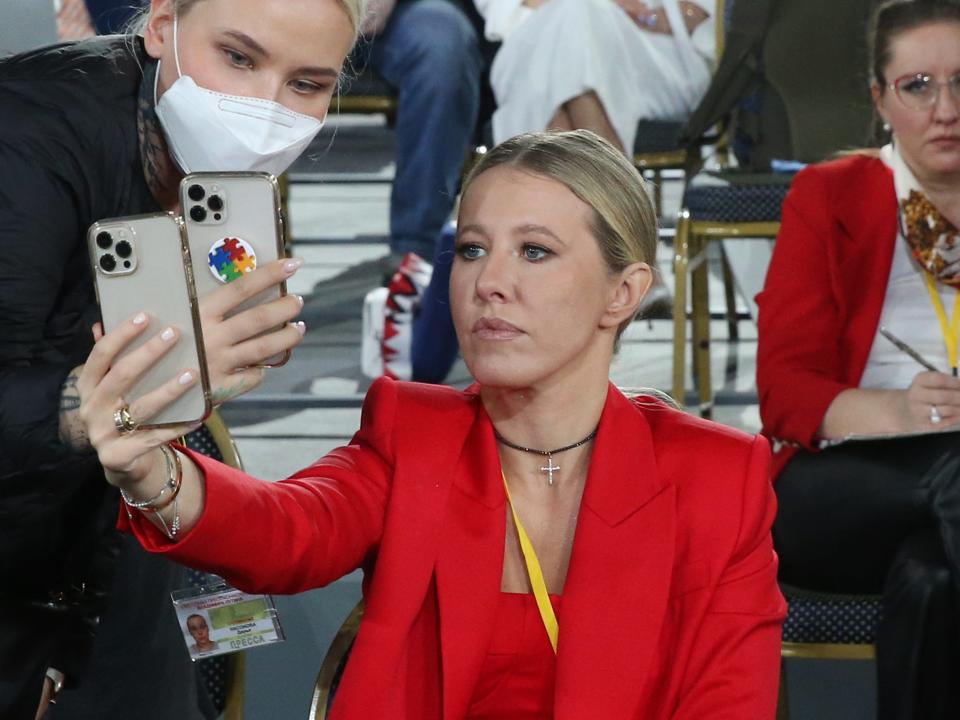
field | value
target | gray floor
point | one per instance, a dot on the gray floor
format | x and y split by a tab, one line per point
339	205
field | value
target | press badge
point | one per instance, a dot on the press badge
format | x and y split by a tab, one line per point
216	619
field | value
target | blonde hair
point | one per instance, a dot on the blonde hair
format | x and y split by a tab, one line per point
355	10
623	219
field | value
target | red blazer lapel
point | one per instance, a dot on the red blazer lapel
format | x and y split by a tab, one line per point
470	565
617	586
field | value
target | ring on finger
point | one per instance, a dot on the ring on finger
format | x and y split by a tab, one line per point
123	420
935	417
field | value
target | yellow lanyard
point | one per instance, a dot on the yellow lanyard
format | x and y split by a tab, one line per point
536	575
950	328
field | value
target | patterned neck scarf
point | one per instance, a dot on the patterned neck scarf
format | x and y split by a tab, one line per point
933	240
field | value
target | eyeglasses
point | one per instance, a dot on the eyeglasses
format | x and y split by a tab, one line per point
921	92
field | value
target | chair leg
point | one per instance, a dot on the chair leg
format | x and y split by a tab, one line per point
658	192
783	700
730	293
681	258
700	303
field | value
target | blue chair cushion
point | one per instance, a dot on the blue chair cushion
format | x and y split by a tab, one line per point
730	196
827	618
657	136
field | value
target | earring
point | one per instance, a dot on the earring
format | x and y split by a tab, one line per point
886	127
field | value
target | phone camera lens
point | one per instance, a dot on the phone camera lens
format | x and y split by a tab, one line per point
104	240
215	203
196	192
198	214
108	262
124	249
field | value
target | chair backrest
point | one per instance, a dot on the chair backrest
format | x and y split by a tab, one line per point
334	663
820	74
26	24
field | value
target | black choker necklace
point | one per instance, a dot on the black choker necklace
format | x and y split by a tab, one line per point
550	469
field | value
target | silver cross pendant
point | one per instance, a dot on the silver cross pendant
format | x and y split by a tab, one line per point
550	469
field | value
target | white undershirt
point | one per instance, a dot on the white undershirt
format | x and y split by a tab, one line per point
907	311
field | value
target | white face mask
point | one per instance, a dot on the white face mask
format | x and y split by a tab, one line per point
207	131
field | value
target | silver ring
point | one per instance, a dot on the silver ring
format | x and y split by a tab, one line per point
123	421
935	415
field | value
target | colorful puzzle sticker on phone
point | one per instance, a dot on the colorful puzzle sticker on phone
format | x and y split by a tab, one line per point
221	619
231	258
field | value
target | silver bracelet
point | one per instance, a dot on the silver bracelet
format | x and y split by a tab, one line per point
174	527
171	484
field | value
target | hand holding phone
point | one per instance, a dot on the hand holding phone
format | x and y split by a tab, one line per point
234	225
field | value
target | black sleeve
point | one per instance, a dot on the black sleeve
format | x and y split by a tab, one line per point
40	238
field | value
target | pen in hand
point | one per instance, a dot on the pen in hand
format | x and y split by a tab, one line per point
901	345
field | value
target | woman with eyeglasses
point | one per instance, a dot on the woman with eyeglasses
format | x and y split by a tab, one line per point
858	343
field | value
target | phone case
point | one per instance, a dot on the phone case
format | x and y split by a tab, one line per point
141	263
234	225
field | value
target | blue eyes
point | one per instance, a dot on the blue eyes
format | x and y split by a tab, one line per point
469	251
529	251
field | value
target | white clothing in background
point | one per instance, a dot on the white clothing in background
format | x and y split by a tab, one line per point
566	48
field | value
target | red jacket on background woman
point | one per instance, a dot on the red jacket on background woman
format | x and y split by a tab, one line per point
823	295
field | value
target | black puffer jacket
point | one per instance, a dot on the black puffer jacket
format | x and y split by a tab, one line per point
69	155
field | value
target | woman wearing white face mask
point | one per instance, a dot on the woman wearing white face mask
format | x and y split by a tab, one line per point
107	128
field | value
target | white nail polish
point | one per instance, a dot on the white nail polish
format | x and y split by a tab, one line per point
292	265
300	299
167	334
139	319
186	378
301	326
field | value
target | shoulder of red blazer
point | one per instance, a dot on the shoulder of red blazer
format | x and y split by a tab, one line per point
851	187
721	475
691	443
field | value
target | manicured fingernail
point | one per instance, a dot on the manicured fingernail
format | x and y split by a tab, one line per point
301	326
139	318
292	265
167	334
299	299
186	378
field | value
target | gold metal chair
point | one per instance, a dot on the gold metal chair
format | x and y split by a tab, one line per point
334	662
690	261
826	626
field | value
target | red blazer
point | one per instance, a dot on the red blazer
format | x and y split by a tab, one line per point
670	610
822	298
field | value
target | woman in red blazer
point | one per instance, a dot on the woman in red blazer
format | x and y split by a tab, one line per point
878	515
650	591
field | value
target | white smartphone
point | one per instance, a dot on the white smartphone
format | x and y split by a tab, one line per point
141	263
234	225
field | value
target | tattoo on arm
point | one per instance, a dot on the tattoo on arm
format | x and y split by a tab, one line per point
69	395
72	431
222	394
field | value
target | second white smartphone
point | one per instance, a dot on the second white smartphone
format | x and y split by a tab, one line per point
233	225
141	263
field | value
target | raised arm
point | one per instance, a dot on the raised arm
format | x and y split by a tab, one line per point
139	462
295	534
